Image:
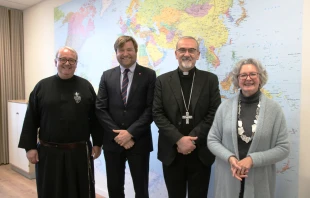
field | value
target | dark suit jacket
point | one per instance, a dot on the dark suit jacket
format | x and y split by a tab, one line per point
136	117
168	105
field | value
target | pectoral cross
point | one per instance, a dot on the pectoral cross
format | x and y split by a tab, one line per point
187	117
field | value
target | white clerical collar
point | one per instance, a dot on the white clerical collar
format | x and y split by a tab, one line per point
187	73
131	68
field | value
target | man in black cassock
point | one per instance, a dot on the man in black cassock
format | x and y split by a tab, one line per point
185	102
56	133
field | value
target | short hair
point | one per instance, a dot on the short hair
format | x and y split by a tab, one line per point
68	48
263	76
187	37
120	42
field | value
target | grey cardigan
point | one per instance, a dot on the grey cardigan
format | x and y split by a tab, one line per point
269	145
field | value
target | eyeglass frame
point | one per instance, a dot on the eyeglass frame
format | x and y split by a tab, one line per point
189	50
64	60
248	75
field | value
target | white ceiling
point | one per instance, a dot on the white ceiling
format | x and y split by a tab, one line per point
19	4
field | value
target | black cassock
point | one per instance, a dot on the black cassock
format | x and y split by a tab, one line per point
64	112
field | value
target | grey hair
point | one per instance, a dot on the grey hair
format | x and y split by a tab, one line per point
68	48
263	76
187	37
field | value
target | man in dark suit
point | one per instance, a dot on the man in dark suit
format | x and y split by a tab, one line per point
124	109
185	102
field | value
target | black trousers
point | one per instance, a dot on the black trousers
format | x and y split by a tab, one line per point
187	174
242	188
115	169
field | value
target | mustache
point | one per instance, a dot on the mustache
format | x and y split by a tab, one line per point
186	59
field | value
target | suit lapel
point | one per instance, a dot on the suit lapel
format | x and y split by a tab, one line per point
116	75
197	88
175	86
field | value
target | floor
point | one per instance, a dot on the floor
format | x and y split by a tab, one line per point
14	185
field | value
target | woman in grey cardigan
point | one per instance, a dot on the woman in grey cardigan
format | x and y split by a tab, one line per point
248	137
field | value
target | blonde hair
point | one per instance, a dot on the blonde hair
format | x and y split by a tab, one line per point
120	42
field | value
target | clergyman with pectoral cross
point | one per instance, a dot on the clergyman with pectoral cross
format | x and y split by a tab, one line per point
185	102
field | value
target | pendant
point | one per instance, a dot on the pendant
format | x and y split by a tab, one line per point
254	127
187	117
239	123
245	138
240	130
77	97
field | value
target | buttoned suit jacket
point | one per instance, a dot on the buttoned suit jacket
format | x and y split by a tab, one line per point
168	106
135	117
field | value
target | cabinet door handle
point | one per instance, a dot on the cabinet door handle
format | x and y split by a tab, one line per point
17	113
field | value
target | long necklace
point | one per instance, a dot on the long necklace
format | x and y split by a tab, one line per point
186	117
240	127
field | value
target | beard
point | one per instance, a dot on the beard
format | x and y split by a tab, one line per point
186	63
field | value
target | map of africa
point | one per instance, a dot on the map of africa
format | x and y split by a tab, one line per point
227	30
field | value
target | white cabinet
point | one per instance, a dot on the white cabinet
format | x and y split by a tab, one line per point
17	156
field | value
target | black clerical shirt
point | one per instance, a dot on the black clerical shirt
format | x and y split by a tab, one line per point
186	84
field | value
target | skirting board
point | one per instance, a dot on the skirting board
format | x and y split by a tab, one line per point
24	173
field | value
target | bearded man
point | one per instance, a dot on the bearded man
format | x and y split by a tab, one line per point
185	102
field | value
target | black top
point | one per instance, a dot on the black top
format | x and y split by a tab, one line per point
186	84
247	115
63	111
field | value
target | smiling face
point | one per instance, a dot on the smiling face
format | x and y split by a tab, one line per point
187	53
249	85
126	55
65	69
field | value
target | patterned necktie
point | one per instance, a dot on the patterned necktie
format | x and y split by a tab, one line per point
124	86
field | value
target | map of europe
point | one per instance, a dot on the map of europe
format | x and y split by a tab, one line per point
227	31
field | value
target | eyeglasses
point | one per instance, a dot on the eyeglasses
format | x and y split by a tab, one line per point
64	60
244	76
184	50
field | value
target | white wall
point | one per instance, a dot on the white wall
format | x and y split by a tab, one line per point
39	42
304	160
39	56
